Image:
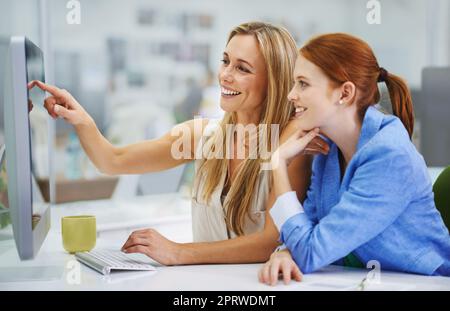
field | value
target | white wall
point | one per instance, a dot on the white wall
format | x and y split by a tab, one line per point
19	17
412	34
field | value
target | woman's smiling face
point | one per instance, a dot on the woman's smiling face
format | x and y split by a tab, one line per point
242	76
313	97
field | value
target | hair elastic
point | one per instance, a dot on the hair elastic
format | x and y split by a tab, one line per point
383	75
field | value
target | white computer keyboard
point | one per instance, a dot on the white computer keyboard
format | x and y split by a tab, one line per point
104	260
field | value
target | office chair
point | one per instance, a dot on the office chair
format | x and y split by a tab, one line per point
433	113
441	189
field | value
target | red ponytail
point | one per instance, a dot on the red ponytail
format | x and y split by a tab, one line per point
401	101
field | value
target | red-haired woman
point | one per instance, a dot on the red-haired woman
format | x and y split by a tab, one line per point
371	197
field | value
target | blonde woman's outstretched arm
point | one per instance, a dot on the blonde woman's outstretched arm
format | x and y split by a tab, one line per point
172	149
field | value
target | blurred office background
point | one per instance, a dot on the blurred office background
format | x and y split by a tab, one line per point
138	67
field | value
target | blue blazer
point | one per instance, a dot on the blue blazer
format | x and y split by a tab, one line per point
382	210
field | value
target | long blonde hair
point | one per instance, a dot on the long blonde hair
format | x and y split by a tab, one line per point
280	52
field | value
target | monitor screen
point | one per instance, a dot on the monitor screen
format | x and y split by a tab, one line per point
38	130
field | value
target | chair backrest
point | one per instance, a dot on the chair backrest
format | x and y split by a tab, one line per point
434	110
441	189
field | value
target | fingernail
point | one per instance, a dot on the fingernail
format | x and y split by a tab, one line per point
56	108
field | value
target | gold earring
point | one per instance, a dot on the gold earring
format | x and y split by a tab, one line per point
341	102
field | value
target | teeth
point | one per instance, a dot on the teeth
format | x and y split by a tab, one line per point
300	109
229	92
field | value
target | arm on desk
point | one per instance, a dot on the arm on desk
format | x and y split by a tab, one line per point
251	248
256	247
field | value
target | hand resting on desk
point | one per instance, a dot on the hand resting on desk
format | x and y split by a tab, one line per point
279	264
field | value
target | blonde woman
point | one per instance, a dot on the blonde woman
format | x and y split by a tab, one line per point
231	196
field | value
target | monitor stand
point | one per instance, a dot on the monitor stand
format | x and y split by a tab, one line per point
19	273
27	274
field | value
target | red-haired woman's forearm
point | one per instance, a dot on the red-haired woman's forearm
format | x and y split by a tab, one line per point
252	248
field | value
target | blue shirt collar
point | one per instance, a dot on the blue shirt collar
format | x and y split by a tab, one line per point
371	125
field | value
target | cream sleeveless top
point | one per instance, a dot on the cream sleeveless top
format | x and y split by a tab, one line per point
208	218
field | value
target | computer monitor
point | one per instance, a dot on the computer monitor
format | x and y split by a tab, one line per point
27	146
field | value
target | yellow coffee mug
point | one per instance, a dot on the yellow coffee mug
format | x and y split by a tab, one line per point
79	233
